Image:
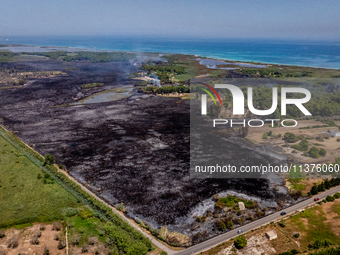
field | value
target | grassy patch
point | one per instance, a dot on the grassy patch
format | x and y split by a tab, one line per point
336	208
317	228
7	56
91	85
298	186
85	228
231	201
24	197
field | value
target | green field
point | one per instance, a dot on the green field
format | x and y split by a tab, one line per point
23	197
317	229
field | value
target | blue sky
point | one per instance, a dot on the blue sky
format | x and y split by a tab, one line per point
299	19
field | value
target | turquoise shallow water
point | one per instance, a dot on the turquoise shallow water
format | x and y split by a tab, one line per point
305	53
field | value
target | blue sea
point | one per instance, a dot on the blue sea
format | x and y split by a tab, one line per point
324	54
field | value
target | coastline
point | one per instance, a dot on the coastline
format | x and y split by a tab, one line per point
212	57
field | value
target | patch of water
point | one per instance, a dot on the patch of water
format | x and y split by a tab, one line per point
106	96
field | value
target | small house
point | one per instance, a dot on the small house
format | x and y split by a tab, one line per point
271	235
241	206
334	132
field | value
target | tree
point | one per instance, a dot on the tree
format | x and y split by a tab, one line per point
322	152
49	159
314	190
330	198
336	195
223	226
302	146
230	224
314	152
290	137
240	242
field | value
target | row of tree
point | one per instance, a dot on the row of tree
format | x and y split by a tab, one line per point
326	184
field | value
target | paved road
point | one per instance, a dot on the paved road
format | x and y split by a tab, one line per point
255	224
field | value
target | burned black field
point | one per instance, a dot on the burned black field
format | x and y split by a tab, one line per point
133	151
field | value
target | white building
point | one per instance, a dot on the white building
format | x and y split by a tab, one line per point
334	132
271	235
241	206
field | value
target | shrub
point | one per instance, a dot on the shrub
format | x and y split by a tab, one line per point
39	176
330	198
46	251
282	223
223	226
49	159
336	195
264	136
86	213
314	152
56	237
61	245
35	240
294	251
92	240
75	240
240	242
290	137
322	152
2	233
302	146
201	218
56	226
163	253
296	235
42	226
13	242
230	224
320	244
84	249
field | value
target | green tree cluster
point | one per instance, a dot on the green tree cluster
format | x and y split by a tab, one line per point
326	184
240	242
290	137
164	72
317	244
302	146
314	152
49	159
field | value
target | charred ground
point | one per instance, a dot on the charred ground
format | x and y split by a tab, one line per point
134	151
